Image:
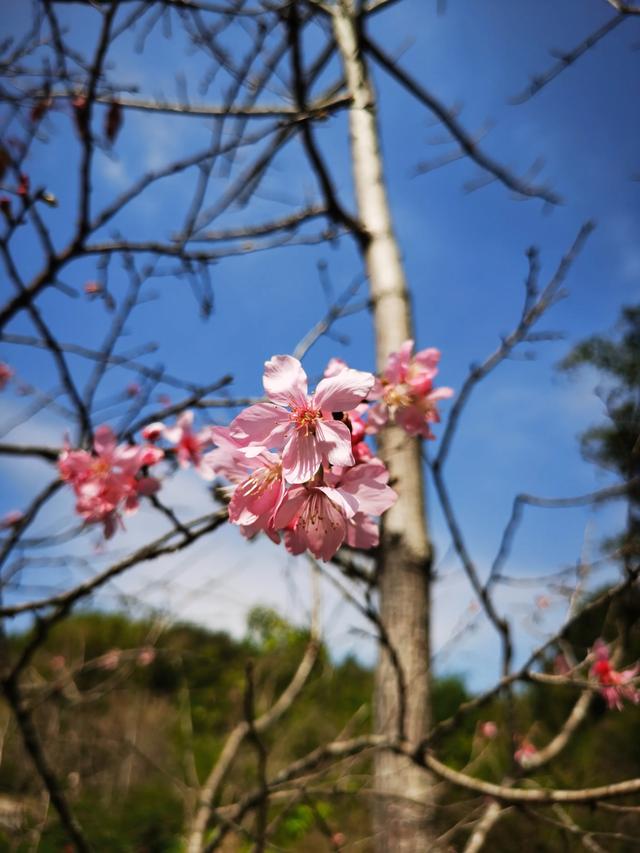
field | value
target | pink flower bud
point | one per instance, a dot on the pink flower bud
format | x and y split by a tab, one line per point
12	518
488	729
146	657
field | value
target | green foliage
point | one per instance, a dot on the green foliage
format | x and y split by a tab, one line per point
615	444
123	750
145	819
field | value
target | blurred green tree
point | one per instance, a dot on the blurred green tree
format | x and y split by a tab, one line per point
615	443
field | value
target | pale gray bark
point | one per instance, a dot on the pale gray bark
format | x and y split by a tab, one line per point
402	700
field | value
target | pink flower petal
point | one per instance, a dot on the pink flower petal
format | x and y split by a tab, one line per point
150	455
257	424
442	393
295	542
148	486
398	363
343	391
290	507
301	457
185	421
335	442
367	483
326	529
377	418
285	381
345	502
428	360
335	366
362	532
412	420
104	441
251	501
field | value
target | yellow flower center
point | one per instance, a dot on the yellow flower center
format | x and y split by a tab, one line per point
305	419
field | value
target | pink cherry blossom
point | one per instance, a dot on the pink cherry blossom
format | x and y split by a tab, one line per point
146	656
525	753
6	374
365	485
353	419
489	729
190	445
300	425
315	518
335	508
614	686
106	482
133	389
405	392
360	449
258	480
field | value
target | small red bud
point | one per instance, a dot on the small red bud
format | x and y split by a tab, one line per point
23	186
39	109
79	104
113	121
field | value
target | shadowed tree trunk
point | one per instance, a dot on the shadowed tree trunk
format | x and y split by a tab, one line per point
403	809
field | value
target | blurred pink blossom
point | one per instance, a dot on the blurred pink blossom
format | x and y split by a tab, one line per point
614	686
190	446
6	374
489	729
106	481
405	392
146	656
524	753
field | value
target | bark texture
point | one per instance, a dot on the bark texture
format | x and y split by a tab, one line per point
404	808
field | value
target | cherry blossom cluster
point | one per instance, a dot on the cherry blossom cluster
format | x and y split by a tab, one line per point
107	482
614	686
298	464
188	446
293	465
405	394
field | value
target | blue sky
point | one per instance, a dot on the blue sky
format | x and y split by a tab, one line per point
465	261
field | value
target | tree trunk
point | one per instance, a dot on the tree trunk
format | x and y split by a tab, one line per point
403	808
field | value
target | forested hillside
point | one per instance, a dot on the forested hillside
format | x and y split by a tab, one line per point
136	712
